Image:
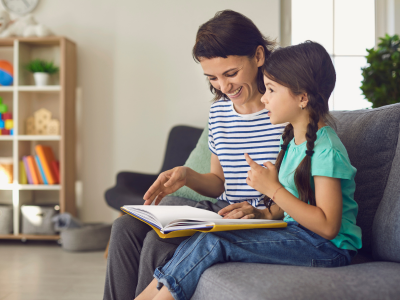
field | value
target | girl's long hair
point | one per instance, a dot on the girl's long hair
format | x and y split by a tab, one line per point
304	68
230	33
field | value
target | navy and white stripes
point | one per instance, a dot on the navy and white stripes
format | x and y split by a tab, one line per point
230	136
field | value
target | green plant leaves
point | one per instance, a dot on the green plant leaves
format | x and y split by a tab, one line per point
381	83
38	65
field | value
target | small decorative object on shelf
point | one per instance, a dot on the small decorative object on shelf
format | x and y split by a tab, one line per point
6	73
6	120
42	124
41	70
6	170
22	26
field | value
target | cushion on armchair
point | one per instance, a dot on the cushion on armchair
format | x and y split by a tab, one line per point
200	161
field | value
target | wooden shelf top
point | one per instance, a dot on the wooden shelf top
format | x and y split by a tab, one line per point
31	88
30	137
29	237
48	40
33	187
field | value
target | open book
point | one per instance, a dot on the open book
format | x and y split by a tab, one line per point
178	221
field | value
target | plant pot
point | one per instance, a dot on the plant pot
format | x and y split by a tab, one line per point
41	78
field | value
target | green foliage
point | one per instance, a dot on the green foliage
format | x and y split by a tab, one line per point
38	65
381	84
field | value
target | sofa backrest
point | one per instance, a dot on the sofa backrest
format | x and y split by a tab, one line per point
371	137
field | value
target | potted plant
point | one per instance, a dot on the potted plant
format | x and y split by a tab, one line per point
41	70
381	83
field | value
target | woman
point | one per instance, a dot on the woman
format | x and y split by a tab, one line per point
231	51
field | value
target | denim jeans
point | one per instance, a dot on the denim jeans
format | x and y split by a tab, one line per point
293	245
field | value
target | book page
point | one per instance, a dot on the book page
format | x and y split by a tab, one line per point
164	214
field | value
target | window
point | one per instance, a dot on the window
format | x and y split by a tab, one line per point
346	28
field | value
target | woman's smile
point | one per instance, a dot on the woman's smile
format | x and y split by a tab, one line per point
236	93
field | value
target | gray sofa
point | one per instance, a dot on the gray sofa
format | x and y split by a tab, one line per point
372	140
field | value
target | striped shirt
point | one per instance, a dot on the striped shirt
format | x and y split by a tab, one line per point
230	136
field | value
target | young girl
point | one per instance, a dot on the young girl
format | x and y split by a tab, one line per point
312	182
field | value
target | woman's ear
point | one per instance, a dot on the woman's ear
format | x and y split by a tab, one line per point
260	56
303	100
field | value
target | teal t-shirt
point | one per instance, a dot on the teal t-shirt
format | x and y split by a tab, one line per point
330	159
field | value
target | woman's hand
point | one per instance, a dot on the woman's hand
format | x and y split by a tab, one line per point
264	180
242	210
166	183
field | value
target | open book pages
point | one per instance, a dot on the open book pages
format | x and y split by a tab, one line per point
174	218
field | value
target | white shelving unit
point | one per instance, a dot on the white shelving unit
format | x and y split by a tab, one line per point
23	99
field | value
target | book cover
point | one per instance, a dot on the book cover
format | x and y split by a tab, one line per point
46	157
32	169
27	170
179	221
22	174
56	169
41	170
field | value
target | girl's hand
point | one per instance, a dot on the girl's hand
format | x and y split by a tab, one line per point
167	182
242	210
264	180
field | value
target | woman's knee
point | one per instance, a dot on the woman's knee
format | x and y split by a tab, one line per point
127	224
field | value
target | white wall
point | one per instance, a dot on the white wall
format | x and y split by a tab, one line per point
137	79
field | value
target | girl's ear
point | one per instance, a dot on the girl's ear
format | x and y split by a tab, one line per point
303	100
260	56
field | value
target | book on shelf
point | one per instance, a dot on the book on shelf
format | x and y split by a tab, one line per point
23	179
27	170
39	165
33	169
56	169
179	221
46	156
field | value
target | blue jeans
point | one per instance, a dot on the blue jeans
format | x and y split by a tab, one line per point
293	245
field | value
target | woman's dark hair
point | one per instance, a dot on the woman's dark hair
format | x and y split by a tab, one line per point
304	68
230	33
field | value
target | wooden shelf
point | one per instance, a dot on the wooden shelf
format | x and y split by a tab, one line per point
38	137
29	237
23	99
33	88
6	137
6	88
32	187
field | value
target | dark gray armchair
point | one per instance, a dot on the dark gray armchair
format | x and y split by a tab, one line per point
130	186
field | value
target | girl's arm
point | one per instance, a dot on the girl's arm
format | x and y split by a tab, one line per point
323	219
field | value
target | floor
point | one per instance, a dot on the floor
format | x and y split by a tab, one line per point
43	271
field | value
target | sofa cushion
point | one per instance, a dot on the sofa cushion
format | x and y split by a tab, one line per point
376	280
386	226
200	161
370	137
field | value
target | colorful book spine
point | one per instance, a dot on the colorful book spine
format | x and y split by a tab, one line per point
28	171
41	170
46	157
56	168
33	169
22	174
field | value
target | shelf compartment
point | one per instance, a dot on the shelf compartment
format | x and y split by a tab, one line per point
29	103
29	51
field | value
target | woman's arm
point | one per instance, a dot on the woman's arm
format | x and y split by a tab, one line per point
210	184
